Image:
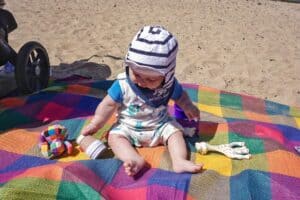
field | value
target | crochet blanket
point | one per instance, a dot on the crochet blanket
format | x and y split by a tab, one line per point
270	131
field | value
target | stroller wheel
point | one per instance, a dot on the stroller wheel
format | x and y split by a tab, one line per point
32	68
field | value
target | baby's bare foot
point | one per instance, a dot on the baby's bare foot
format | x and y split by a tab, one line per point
132	167
186	166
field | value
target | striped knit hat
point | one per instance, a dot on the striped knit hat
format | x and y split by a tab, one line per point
154	48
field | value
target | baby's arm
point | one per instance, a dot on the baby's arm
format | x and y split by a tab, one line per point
190	110
103	112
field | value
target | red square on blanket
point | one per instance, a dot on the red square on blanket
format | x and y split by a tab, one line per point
53	111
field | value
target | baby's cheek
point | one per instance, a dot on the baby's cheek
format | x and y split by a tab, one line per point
156	85
134	80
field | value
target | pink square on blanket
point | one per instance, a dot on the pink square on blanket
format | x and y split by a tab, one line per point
53	111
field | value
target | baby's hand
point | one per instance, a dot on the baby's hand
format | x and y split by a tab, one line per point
90	129
192	112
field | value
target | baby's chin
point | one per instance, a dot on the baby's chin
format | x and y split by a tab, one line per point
150	88
144	87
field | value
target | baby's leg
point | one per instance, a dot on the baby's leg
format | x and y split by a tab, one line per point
178	153
122	148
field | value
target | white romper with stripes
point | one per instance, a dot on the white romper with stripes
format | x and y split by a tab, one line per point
141	124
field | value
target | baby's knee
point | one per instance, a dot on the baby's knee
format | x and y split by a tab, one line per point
111	139
114	139
176	134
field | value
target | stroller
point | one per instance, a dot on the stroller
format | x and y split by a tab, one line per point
31	63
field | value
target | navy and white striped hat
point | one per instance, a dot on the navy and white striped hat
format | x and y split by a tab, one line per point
154	48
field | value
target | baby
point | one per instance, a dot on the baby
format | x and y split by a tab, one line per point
140	96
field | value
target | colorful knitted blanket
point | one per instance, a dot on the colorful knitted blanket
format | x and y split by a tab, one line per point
270	131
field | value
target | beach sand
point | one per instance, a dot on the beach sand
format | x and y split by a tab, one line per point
241	46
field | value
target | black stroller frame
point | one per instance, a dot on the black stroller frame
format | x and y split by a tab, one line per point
32	66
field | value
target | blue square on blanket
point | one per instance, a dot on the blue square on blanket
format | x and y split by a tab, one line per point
257	187
25	162
273	108
171	179
73	127
39	97
88	104
192	93
103	168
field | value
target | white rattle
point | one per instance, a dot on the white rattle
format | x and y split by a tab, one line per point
235	150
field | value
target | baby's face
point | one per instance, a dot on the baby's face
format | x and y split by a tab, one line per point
146	81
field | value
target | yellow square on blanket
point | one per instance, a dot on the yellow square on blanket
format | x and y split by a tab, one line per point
215	162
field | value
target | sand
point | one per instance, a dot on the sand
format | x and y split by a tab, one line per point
241	46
